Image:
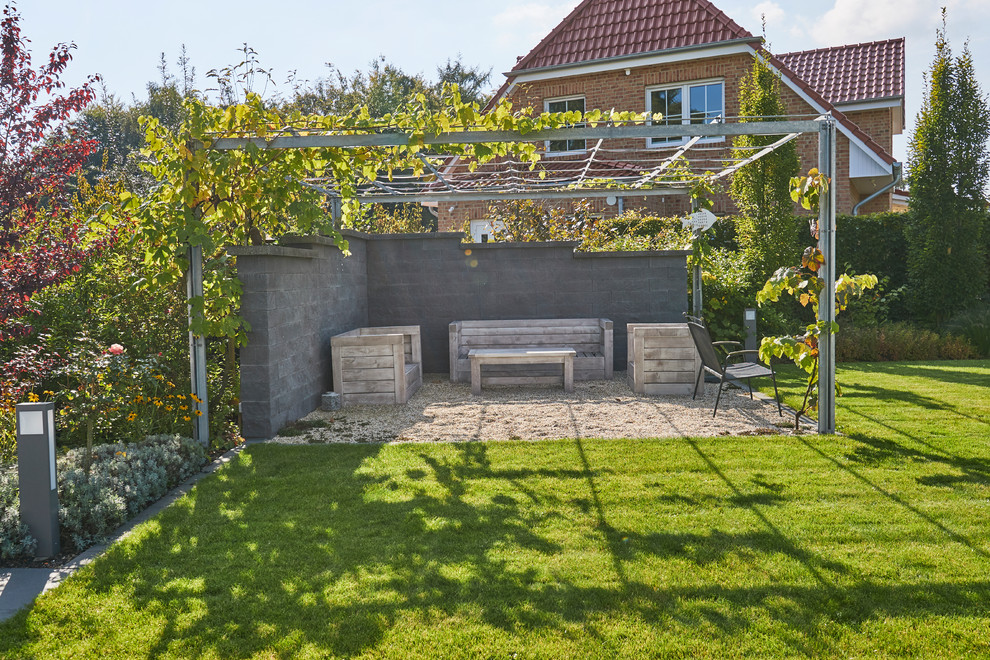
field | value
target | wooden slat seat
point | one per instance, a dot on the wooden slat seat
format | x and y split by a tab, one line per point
589	338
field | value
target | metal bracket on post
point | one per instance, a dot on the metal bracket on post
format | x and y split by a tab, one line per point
37	480
197	352
826	304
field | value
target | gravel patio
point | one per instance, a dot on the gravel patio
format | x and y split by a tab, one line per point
442	411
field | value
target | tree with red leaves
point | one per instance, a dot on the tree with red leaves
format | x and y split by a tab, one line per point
41	243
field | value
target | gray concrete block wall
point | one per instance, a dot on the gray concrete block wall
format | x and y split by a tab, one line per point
297	299
432	280
296	296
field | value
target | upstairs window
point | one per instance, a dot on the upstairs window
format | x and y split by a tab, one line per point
566	105
690	103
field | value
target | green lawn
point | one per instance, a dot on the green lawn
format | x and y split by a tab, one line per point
877	543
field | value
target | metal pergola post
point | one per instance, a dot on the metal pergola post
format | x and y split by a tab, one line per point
826	300
197	352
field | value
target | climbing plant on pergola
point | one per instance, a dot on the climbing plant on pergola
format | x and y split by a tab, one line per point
244	166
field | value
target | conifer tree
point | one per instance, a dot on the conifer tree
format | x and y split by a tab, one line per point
949	166
767	232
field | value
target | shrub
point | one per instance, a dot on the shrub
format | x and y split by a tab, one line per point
898	341
123	479
727	290
974	326
876	244
14	538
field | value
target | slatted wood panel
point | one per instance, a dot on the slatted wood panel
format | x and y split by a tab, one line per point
377	365
521	356
662	358
591	339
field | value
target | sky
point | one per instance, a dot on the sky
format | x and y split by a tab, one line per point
124	44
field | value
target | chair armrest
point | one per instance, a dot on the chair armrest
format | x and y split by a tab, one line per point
770	365
719	343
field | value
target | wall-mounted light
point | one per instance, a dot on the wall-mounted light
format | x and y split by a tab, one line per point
628	71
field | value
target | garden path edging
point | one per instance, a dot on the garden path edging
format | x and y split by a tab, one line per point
20	586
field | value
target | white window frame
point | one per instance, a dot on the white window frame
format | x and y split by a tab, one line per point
685	105
546	108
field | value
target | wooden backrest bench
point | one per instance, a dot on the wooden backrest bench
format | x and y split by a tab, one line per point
591	340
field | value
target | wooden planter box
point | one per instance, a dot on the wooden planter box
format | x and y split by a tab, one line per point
662	358
377	365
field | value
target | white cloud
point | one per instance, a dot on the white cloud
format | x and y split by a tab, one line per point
522	25
853	21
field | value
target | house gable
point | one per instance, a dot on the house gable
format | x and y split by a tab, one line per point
599	30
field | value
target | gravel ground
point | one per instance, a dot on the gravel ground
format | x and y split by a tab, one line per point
442	411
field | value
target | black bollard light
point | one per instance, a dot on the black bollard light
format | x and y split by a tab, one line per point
36	474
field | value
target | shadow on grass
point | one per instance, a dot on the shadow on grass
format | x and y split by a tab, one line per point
352	553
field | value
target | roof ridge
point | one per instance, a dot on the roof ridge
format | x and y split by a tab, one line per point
728	22
843	46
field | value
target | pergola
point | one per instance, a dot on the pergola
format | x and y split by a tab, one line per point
602	171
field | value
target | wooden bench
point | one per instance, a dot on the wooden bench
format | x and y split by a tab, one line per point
662	358
590	339
503	356
377	365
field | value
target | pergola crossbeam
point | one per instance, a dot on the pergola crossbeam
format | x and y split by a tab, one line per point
606	132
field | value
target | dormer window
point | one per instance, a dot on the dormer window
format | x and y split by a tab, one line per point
689	103
565	105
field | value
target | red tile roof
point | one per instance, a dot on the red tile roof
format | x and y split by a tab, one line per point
858	72
827	106
603	29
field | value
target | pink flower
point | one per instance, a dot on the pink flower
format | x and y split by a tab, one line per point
116	349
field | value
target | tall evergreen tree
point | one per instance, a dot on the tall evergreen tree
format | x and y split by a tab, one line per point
949	166
767	232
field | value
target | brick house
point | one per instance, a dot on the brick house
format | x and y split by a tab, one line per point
686	59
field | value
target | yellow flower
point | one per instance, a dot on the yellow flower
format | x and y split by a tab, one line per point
198	413
158	403
159	377
132	417
139	399
168	408
48	393
183	407
186	417
181	396
195	398
32	397
170	384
